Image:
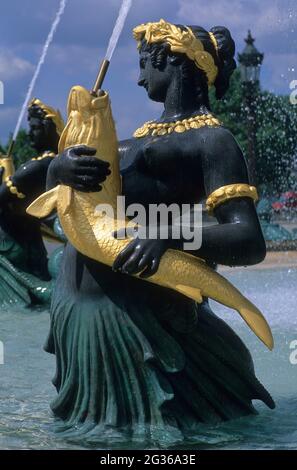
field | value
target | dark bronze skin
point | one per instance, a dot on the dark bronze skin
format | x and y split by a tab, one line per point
30	179
183	168
97	313
42	132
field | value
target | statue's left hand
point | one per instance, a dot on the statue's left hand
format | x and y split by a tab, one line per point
140	256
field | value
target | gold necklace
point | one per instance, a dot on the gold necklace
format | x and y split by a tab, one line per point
45	154
163	128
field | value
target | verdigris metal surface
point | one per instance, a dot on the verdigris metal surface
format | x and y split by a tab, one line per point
25	390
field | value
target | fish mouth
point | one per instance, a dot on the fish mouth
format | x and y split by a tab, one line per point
79	99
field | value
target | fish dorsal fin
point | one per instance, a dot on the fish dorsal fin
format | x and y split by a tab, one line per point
66	199
191	292
45	204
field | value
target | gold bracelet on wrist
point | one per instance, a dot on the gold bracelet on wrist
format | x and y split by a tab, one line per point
13	189
230	191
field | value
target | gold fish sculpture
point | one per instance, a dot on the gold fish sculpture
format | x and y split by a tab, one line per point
89	227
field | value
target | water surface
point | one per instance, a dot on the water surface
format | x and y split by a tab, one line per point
26	389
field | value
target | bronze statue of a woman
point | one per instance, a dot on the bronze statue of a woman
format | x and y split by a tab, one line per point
138	362
23	258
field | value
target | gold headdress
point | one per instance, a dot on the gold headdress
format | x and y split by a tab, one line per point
179	41
50	113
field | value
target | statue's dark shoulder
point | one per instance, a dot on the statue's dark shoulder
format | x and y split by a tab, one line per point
128	149
220	156
212	140
125	146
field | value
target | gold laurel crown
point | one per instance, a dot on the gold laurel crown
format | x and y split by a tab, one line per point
184	42
50	113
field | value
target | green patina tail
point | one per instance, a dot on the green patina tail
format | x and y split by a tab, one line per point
20	288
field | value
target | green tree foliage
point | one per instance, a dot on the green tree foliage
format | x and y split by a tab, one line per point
277	142
22	150
230	109
276	123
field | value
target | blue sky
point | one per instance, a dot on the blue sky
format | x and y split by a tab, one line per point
83	34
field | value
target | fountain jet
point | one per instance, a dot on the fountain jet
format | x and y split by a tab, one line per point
48	42
123	13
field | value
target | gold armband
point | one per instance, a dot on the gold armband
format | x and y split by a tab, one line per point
13	189
231	191
7	164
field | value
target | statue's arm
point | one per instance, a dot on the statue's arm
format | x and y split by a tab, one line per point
237	239
29	181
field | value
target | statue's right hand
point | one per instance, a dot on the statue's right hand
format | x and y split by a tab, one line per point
78	168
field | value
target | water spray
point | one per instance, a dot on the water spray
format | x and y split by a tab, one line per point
123	13
37	72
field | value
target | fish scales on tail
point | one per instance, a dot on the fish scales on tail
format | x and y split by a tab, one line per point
90	230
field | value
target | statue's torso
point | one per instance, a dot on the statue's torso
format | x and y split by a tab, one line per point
162	170
170	173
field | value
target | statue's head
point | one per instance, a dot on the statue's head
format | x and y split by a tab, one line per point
199	58
46	125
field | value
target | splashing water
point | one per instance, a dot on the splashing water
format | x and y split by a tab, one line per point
39	65
125	8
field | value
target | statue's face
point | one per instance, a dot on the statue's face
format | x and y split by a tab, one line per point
37	132
42	134
155	80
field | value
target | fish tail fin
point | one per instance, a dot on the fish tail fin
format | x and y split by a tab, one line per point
44	205
193	293
257	322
